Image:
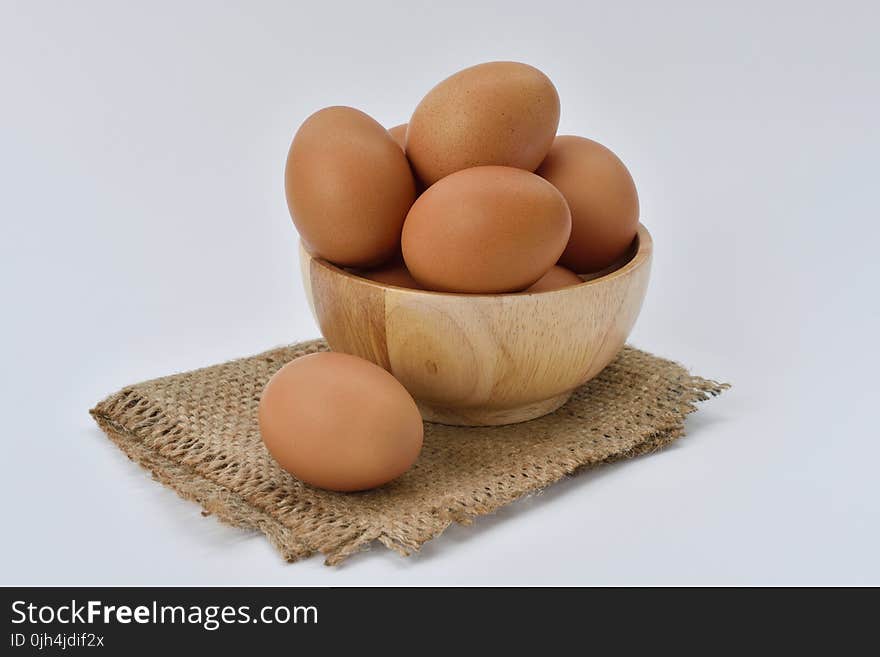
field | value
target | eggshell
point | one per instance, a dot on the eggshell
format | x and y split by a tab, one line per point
602	196
501	113
393	273
349	187
398	133
485	230
339	422
556	278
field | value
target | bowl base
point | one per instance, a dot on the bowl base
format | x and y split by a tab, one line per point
490	417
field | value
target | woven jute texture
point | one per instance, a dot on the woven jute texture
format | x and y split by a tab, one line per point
197	433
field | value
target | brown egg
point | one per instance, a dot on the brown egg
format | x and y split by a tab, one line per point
503	113
393	273
485	230
349	187
339	422
398	133
602	196
555	279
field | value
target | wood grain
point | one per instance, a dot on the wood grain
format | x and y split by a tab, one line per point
482	359
351	316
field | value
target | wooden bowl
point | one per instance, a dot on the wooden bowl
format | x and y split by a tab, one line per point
478	360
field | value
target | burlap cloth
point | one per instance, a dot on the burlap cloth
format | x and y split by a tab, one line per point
197	433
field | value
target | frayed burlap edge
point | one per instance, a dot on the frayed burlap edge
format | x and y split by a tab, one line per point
128	419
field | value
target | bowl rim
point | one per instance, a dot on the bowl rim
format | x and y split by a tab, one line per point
644	249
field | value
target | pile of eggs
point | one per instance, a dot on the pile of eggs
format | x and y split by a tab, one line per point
475	195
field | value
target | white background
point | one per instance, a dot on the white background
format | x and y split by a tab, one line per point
144	231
